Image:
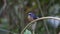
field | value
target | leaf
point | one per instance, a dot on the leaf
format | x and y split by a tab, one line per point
27	32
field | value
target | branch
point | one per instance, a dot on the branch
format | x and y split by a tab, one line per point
39	5
42	18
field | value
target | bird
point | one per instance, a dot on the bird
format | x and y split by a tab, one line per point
31	17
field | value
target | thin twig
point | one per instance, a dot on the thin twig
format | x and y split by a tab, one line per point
39	5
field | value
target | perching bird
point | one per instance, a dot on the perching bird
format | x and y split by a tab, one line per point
31	17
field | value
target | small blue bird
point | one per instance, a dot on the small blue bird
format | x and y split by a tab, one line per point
31	17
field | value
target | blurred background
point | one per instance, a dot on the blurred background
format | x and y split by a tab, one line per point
14	16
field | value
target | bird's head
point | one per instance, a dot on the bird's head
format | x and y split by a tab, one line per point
32	16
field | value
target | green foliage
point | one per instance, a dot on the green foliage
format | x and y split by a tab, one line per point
27	32
57	1
44	2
